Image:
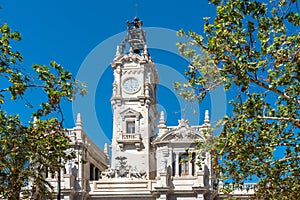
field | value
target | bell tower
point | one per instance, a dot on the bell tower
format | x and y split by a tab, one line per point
134	104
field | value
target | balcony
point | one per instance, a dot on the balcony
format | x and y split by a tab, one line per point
129	139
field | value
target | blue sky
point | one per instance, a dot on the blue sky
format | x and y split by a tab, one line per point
82	36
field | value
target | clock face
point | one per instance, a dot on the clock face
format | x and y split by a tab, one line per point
131	85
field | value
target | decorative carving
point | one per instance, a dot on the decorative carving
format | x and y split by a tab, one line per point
137	146
122	169
133	71
115	85
183	123
183	135
137	174
121	146
130	58
110	173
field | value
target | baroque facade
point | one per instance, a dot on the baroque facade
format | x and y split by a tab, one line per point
149	159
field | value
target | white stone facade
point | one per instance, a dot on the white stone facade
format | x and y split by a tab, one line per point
90	161
150	160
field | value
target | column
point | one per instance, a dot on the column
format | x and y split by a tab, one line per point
137	125
80	168
118	70
197	160
177	164
191	168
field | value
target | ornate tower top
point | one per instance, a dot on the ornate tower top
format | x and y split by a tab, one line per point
135	36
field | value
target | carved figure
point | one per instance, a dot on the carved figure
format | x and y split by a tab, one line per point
69	169
110	173
137	174
123	168
163	165
143	174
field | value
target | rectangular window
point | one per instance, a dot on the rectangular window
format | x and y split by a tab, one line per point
130	127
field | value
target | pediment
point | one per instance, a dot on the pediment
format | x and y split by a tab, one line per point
129	112
181	135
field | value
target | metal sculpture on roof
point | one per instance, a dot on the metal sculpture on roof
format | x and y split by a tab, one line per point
135	36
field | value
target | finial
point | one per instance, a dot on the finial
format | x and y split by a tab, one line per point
162	118
145	50
79	120
162	128
106	148
118	51
183	122
206	118
131	50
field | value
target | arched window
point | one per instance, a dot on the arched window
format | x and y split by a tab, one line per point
183	165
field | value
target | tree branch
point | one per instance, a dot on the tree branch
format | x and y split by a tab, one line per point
257	82
278	118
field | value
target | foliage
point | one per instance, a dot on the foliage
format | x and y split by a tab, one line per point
252	47
29	150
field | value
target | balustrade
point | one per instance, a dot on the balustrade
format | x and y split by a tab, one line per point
130	136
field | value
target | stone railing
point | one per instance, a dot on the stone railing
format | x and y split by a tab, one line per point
198	128
195	128
130	136
170	128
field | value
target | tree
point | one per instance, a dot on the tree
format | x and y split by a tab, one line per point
29	150
252	47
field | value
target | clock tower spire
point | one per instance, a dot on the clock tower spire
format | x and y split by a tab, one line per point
134	104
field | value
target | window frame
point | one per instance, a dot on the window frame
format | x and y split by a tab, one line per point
130	127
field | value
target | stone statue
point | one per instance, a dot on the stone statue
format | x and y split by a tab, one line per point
163	165
137	174
69	168
110	173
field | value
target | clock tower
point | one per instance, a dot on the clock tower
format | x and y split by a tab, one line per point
134	105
